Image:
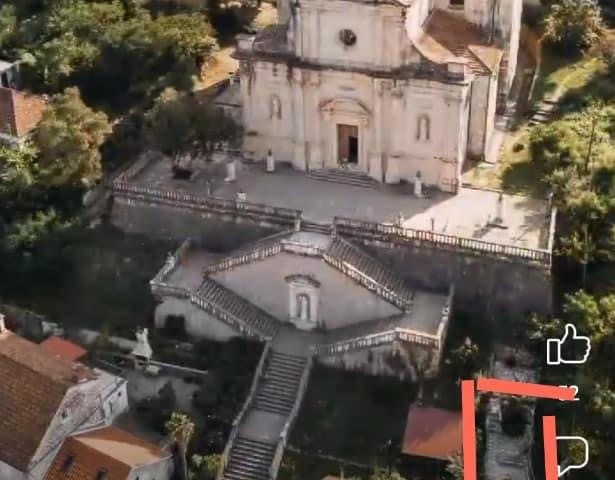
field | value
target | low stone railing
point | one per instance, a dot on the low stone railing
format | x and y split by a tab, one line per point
380	231
225	317
230	262
376	339
158	284
369	283
258	373
278	215
283	440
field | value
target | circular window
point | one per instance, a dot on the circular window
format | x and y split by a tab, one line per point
348	37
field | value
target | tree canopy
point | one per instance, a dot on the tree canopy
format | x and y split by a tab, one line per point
573	25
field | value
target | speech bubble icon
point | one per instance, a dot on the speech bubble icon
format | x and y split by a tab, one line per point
562	471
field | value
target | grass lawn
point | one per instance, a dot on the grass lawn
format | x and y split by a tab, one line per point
514	172
353	416
91	278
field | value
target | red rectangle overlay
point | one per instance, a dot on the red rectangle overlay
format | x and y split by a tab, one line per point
525	389
549	438
469	430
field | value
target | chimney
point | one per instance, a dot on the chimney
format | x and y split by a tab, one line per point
2	324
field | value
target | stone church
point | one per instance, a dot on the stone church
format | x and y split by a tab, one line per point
389	88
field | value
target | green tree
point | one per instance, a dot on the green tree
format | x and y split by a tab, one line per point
573	25
454	468
181	428
69	139
386	474
205	467
464	359
17	169
179	124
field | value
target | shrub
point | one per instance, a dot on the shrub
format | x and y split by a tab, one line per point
573	25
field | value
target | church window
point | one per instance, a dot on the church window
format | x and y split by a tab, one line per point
457	3
423	128
348	37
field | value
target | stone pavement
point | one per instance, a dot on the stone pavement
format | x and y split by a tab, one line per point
465	214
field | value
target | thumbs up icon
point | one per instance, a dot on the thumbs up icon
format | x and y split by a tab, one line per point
573	342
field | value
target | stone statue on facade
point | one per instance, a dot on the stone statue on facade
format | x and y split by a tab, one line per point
418	185
241	196
276	107
499	209
270	162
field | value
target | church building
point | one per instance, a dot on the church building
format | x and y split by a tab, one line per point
393	89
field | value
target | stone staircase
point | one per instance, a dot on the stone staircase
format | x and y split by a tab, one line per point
543	112
250	459
341	252
278	388
232	304
347	177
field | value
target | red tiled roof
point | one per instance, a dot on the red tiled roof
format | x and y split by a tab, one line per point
448	38
20	112
432	432
34	384
110	448
63	348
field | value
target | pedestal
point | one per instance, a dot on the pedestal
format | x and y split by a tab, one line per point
299	157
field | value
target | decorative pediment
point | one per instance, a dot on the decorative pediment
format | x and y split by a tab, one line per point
345	105
305	280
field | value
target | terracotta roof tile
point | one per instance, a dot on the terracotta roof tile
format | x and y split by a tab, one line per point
449	38
34	384
20	112
432	432
110	448
63	348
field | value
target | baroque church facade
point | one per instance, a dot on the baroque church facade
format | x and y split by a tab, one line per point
392	88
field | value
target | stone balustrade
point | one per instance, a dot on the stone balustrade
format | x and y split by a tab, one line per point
258	373
255	255
283	440
369	283
225	317
393	233
376	339
215	205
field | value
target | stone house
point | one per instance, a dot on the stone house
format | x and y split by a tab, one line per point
112	454
44	399
388	88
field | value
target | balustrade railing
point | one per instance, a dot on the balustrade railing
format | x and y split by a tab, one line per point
201	202
375	339
369	283
361	228
230	262
258	373
283	440
224	316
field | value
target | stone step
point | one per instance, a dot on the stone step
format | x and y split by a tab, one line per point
343	176
243	475
256	443
279	378
242	449
275	409
249	461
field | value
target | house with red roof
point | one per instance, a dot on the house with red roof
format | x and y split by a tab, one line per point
44	399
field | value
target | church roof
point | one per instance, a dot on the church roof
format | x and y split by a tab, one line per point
448	38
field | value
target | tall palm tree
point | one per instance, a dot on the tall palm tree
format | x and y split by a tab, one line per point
181	428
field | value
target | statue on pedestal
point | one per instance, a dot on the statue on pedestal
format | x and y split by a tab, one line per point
143	352
241	196
418	185
270	162
499	209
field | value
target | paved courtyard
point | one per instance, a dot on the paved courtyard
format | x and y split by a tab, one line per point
467	214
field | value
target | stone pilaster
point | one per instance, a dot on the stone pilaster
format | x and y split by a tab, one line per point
297	79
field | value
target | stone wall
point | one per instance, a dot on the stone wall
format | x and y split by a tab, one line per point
199	324
502	290
177	223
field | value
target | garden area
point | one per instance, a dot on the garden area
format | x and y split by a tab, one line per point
80	277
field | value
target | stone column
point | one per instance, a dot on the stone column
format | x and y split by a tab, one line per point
449	175
375	155
299	160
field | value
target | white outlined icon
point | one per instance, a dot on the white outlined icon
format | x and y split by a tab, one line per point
563	470
576	393
554	347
